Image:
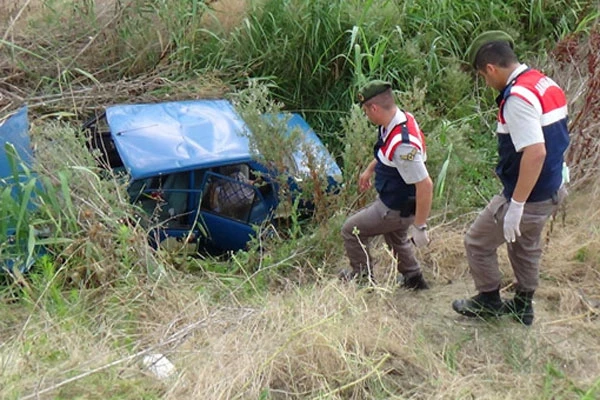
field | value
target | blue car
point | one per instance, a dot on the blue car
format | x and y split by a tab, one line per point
15	157
192	171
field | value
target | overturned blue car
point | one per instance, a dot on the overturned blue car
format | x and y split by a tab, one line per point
192	171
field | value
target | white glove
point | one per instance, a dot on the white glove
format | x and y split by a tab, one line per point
512	220
419	235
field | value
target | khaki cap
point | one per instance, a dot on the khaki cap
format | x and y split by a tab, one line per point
372	89
484	38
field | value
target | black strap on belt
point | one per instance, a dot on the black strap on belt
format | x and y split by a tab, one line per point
408	208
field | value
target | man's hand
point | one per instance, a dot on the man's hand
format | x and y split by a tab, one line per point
364	180
512	220
419	235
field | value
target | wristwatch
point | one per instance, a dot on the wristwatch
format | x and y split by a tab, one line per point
421	227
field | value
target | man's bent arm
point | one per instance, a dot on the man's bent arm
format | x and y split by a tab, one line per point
530	168
424	198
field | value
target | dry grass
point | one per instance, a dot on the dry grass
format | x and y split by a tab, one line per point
227	14
85	101
325	339
87	58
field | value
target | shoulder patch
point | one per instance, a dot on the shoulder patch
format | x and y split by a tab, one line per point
409	156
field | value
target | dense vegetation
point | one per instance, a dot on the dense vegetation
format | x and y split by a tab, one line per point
312	55
272	322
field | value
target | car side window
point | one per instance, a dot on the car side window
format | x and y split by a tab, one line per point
165	198
234	192
231	196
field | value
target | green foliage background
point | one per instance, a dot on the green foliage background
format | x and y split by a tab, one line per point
313	56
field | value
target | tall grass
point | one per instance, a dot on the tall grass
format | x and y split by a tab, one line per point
314	55
82	215
17	227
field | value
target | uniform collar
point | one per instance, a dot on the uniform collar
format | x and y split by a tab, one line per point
399	118
517	71
510	82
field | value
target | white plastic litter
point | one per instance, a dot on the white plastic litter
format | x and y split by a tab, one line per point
159	365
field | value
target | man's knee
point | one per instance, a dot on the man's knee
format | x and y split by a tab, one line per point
469	241
348	230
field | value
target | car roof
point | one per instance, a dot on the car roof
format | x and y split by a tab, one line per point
162	138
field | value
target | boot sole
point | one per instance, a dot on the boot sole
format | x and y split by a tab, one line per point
481	313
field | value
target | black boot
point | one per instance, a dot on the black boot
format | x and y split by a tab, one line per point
483	305
520	307
415	282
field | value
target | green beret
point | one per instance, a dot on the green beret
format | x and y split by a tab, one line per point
484	38
372	89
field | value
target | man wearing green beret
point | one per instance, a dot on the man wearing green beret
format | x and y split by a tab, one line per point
532	138
404	190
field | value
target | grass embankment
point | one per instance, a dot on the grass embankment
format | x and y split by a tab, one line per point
321	339
274	322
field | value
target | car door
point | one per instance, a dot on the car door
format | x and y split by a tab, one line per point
231	227
169	202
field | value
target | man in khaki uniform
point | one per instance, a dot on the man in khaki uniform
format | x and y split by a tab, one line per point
532	138
404	190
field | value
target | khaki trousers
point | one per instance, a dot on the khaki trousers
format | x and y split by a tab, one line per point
378	219
487	234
